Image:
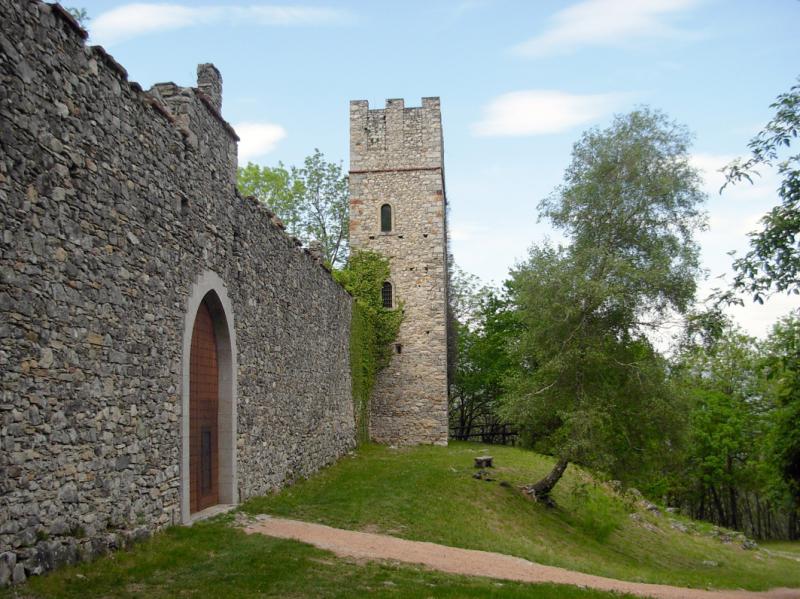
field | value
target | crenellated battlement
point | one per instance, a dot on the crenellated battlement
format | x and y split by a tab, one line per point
395	137
184	103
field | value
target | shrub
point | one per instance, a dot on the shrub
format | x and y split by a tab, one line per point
597	515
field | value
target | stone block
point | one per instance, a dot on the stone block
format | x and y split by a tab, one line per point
8	562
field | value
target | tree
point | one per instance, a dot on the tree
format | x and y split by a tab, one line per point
462	298
726	424
740	464
773	262
278	188
464	294
325	206
783	348
591	388
312	201
482	364
80	15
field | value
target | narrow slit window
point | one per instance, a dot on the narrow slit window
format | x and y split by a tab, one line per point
386	218
386	294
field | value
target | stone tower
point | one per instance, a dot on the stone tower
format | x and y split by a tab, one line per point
398	208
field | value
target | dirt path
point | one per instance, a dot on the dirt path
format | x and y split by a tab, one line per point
363	545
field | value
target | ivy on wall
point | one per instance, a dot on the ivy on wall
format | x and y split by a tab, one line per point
372	331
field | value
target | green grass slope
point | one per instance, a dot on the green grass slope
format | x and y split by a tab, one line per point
215	560
428	493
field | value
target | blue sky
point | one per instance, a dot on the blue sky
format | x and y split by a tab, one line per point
519	82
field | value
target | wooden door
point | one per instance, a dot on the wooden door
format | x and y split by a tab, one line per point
203	413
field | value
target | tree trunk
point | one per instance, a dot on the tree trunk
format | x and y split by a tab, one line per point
469	419
462	419
540	491
769	521
735	522
734	508
701	513
759	527
721	519
748	511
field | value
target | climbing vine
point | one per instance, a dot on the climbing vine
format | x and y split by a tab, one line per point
372	331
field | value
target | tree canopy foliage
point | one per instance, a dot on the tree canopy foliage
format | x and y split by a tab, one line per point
783	372
731	407
482	326
312	201
740	464
773	262
277	187
590	386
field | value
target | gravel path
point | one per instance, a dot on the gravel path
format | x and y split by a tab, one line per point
363	545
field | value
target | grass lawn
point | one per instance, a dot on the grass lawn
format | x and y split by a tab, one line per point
428	493
214	560
790	547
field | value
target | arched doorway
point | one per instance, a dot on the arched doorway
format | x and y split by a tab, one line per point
208	414
203	412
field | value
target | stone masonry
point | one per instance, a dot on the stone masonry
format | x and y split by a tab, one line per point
116	206
397	158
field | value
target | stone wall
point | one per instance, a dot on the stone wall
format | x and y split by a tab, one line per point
115	204
396	157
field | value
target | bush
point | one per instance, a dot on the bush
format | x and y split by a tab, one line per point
597	515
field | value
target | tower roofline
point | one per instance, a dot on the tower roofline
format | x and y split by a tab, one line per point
425	102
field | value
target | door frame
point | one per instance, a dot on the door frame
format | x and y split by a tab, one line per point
211	287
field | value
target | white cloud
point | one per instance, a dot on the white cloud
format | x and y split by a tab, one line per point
488	252
257	139
467	6
604	23
538	112
756	319
466	231
289	15
710	166
761	191
133	20
727	225
732	215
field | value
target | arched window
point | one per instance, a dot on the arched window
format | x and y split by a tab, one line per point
386	294
386	218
